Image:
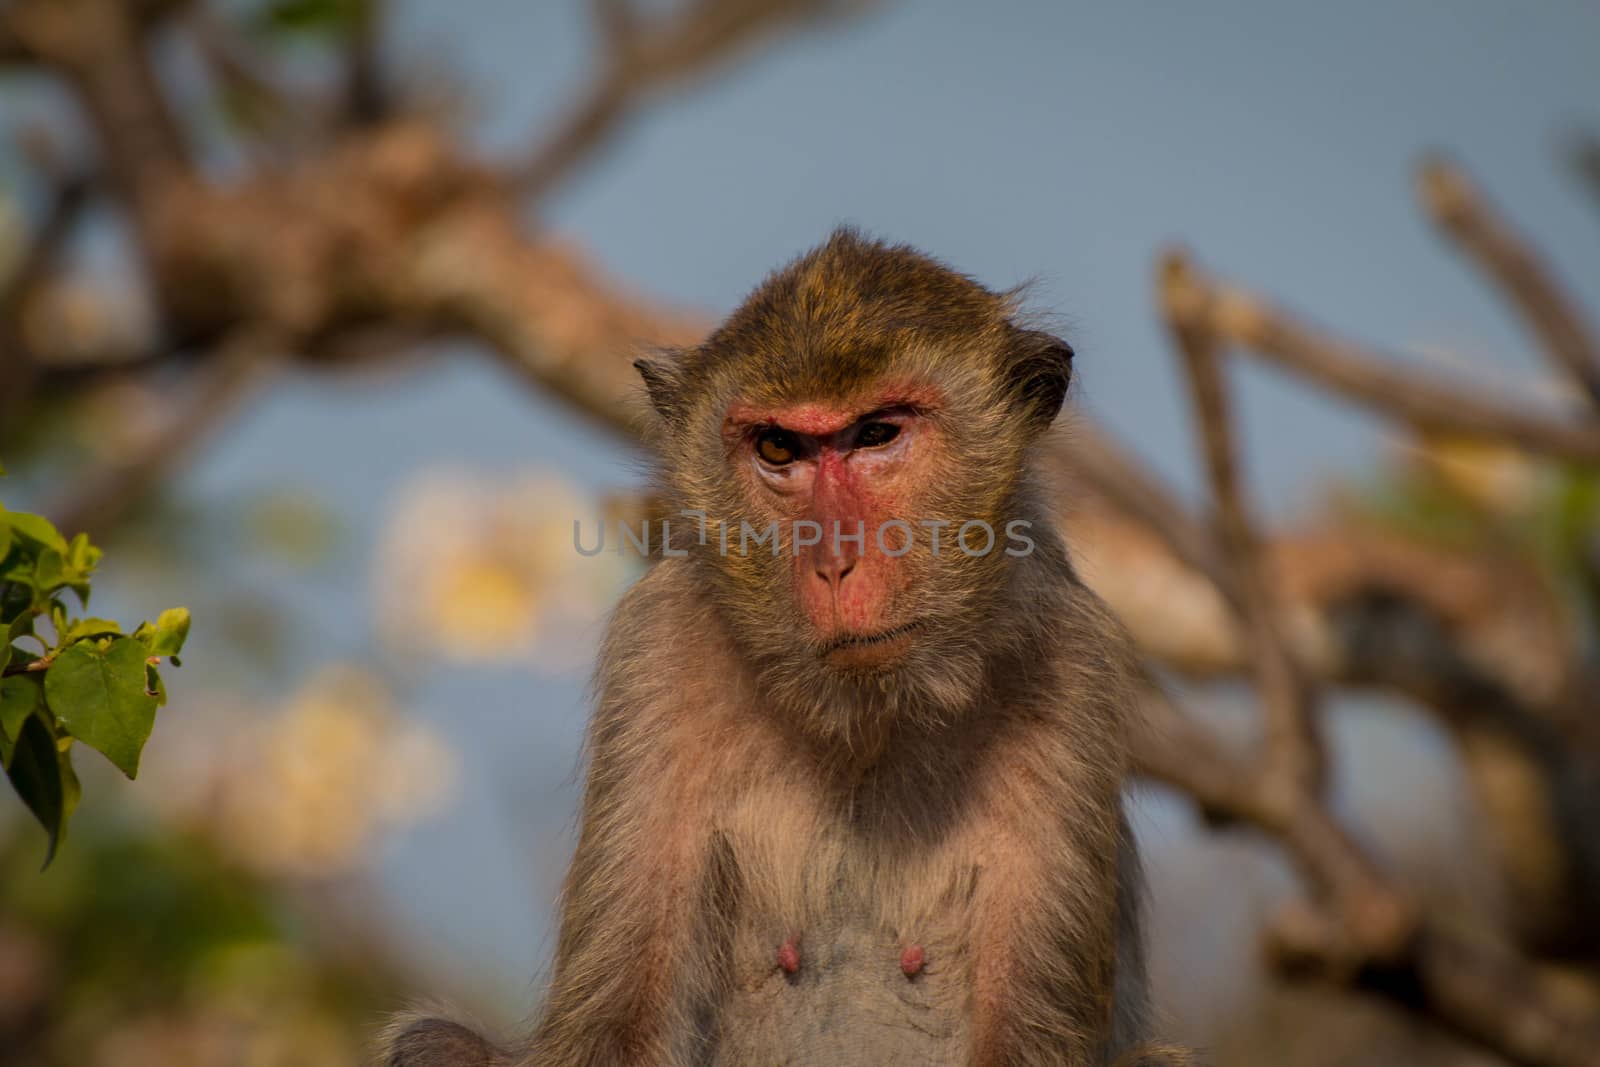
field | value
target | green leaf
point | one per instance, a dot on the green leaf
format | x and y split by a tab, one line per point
17	628
21	626
99	696
49	571
58	619
20	696
17	569
82	556
90	628
154	686
170	631
38	530
42	776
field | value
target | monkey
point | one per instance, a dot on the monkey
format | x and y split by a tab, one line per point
854	791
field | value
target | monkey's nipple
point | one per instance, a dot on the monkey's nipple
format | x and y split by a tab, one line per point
911	961
789	956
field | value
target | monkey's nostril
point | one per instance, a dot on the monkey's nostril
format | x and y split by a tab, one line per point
834	571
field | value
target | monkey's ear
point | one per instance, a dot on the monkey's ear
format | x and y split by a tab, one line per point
1040	374
663	382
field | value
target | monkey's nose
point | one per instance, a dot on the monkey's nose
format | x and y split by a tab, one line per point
835	569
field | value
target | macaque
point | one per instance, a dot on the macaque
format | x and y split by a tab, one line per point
854	785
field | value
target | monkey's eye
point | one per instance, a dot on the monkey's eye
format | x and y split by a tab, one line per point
777	447
875	434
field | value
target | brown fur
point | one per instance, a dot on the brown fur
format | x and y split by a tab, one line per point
749	807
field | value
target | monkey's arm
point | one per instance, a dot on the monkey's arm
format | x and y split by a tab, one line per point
632	940
1046	939
633	928
1044	965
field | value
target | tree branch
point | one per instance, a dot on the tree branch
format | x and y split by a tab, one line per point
18	373
99	48
366	90
645	54
1292	756
1364	377
1368	934
1511	262
1088	451
101	497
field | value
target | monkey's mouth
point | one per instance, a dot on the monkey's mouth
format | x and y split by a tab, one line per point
846	642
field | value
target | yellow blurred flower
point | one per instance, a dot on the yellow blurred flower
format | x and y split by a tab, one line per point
308	790
478	568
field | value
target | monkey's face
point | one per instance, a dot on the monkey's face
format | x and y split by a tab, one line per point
837	558
838	433
844	482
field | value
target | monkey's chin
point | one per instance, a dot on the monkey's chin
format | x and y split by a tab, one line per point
871	651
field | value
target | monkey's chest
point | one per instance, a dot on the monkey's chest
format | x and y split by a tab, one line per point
848	976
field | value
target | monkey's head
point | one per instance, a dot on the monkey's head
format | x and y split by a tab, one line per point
881	410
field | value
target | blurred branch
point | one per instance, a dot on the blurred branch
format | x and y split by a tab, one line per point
1171	747
17	371
1407	393
239	71
646	52
206	402
366	90
1090	452
1511	262
545	314
1368	935
1360	928
1585	156
1292	756
100	48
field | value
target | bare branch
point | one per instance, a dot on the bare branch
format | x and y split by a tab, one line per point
1511	261
366	90
1088	451
1293	750
237	69
205	404
1367	934
646	54
545	313
99	47
1169	746
1360	375
1585	157
17	372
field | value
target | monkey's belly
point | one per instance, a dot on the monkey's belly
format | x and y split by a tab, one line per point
848	1002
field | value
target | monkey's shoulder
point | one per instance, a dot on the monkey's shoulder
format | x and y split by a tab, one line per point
660	618
665	650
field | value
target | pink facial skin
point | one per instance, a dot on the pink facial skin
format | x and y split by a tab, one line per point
841	471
